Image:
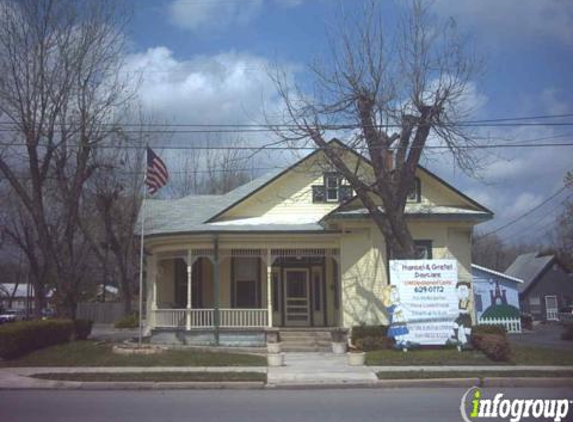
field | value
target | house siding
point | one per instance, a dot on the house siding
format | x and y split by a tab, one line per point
551	282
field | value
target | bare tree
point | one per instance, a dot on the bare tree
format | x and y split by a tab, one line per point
211	171
61	93
391	94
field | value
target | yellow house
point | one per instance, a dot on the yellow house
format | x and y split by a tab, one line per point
292	248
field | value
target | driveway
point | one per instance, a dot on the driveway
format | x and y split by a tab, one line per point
548	335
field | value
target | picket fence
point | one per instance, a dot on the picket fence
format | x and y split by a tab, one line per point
511	325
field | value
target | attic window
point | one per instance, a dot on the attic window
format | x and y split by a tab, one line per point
415	193
334	189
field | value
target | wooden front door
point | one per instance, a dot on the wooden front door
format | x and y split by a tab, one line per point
296	297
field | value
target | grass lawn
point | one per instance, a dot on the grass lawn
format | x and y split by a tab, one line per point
156	376
471	374
91	353
521	355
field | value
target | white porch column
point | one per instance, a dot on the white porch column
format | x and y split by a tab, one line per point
189	290
269	288
154	275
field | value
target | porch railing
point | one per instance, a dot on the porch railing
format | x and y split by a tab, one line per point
205	318
249	318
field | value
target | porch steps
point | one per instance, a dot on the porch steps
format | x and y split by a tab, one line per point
305	340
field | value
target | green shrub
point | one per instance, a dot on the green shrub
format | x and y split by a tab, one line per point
568	333
82	328
371	337
489	329
20	338
130	321
494	346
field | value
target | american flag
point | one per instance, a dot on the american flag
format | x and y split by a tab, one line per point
157	175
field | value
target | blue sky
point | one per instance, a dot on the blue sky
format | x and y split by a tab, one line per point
204	61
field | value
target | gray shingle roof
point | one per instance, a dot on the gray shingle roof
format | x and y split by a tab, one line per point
528	267
188	214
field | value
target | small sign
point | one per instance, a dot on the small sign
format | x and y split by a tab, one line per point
426	303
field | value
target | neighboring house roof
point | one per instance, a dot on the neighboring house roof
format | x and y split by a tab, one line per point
7	290
198	213
529	267
496	273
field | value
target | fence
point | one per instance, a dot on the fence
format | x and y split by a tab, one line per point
103	312
511	325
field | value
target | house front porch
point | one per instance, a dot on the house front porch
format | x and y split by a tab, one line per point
236	296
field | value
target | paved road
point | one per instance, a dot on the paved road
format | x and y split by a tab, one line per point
344	405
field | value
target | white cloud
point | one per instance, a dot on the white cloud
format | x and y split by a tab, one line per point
229	87
219	14
194	15
514	18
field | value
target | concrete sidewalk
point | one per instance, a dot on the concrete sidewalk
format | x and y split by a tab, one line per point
318	369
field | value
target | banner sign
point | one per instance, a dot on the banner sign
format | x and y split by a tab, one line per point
426	303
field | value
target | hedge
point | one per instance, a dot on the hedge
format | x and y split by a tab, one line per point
130	321
20	338
82	328
494	346
489	329
371	337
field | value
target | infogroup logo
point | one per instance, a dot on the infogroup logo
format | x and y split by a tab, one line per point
474	407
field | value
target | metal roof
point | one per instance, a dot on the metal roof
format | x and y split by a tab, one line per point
496	273
528	267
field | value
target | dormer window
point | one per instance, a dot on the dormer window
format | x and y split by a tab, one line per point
332	184
415	194
335	189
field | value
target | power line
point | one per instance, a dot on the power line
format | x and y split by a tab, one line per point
271	126
522	216
303	148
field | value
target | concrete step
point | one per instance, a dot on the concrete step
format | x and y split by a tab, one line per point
289	348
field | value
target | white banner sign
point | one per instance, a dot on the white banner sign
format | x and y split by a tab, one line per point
426	303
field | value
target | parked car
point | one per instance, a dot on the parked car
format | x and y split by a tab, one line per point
12	315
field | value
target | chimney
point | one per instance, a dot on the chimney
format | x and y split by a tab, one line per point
389	164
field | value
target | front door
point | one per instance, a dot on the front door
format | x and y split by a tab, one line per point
296	294
551	308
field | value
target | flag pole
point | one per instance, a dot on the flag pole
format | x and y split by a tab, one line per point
141	262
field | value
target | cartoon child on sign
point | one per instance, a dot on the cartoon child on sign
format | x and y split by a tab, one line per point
463	323
398	327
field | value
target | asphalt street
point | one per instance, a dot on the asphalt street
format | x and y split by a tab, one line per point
341	405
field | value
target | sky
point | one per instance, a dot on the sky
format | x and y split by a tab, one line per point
207	61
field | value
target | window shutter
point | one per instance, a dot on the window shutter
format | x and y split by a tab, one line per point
318	194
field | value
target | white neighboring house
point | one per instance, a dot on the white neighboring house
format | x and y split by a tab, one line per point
17	296
496	295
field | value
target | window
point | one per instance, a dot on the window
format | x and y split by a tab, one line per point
332	183
535	305
423	249
276	289
334	189
415	193
317	287
478	303
246	277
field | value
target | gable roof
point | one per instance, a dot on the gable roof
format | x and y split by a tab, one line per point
529	267
198	213
496	273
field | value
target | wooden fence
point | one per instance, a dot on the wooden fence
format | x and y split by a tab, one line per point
511	325
103	312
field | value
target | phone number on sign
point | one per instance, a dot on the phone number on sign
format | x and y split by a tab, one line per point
429	289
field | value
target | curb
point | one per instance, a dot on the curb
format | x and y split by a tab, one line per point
149	385
517	382
430	382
